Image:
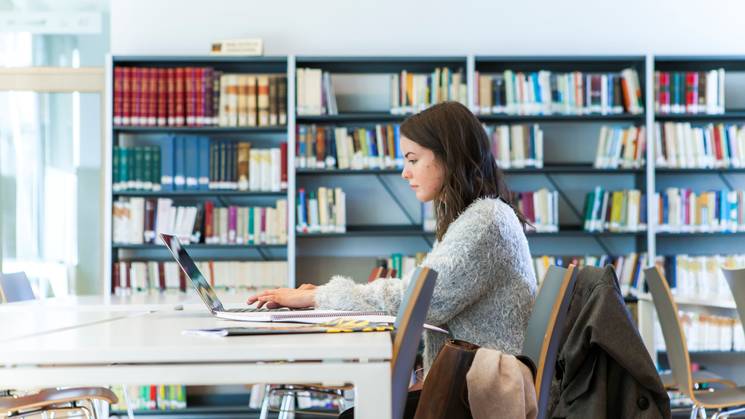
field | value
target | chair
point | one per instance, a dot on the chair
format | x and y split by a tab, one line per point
409	326
736	281
15	287
545	328
677	354
56	401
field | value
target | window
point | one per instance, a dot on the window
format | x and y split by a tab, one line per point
50	160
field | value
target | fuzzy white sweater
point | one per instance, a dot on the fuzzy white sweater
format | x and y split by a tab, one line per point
485	283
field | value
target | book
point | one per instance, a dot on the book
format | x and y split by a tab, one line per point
543	92
197	96
332	326
690	92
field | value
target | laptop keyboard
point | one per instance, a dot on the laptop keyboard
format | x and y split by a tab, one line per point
255	309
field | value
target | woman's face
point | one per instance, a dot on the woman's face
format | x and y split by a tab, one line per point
422	170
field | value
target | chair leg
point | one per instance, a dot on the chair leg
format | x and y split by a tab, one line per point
727	413
285	407
702	413
694	412
265	403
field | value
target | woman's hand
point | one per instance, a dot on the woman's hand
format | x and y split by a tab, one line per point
302	297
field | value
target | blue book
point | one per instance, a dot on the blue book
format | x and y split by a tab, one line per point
179	179
204	163
372	143
301	146
672	267
331	148
302	220
722	207
397	142
536	87
191	147
167	163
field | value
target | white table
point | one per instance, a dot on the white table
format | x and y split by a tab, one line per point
153	301
24	321
150	348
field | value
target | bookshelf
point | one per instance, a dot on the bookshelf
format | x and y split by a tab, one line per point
383	217
146	133
395	217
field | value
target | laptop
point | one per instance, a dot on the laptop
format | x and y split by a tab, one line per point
210	299
203	288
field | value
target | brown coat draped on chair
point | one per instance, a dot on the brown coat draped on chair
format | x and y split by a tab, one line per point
604	370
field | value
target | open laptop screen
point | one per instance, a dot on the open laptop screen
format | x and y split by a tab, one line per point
205	291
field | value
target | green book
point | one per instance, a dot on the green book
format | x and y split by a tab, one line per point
125	167
115	163
139	167
251	232
156	172
147	168
397	261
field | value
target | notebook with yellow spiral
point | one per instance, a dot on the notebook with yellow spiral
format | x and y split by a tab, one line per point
334	326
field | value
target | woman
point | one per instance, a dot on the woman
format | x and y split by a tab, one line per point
485	284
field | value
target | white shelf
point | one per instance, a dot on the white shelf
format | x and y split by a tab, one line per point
695	302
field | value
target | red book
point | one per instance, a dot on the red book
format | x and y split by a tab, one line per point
126	95
115	279
162	97
207	94
209	231
263	225
188	99
136	92
232	223
149	226
171	96
691	92
128	276
152	403
627	95
118	76
161	276
152	109
181	280
718	155
180	114
283	160
664	92
199	94
144	96
377	272
530	212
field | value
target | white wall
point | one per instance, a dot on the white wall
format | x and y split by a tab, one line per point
354	27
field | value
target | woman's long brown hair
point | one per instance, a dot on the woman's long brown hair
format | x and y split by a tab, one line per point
461	145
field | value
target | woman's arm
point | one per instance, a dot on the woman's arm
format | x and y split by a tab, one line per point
341	293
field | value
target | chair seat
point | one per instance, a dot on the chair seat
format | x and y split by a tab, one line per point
701	377
721	398
51	397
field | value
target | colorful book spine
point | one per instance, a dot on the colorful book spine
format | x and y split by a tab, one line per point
690	92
